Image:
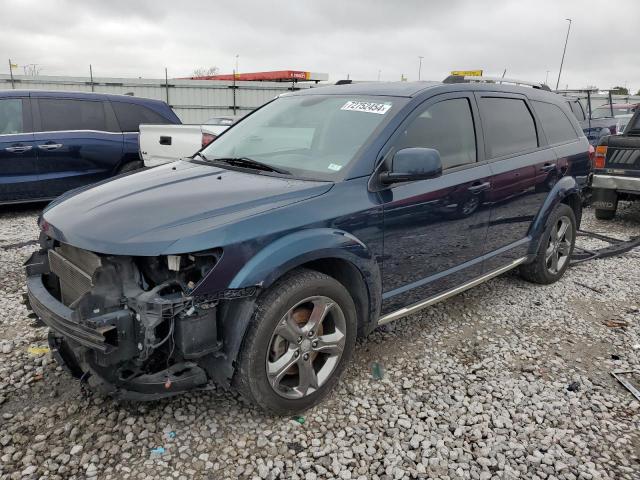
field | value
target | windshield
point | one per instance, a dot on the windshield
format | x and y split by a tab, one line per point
313	136
605	111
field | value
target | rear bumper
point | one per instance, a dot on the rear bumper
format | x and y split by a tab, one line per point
614	182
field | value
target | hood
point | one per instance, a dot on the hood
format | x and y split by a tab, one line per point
145	212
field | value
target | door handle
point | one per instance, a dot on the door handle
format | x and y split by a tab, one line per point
19	148
547	167
50	146
479	187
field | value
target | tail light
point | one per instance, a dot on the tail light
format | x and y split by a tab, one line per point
207	138
592	154
601	155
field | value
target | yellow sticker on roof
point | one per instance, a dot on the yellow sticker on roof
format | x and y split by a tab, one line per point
367	107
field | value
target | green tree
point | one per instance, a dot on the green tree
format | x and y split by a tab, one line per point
619	91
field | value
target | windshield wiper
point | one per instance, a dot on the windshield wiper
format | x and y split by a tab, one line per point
250	163
198	154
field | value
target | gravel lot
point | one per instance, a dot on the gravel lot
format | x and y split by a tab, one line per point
507	380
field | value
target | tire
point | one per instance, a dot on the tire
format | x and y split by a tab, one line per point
553	257
304	364
605	214
131	167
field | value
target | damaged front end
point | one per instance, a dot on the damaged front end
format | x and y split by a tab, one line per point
129	326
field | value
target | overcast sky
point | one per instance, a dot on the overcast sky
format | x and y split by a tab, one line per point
132	38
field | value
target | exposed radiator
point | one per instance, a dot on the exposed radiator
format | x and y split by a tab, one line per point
74	268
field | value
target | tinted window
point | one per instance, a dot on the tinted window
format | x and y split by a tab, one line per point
11	116
65	114
555	123
130	116
508	126
576	108
446	126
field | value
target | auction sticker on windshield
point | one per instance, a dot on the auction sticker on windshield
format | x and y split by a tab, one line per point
368	107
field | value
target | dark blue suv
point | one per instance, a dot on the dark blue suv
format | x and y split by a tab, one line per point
310	222
51	142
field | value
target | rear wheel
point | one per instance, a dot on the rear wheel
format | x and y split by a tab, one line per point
299	341
556	247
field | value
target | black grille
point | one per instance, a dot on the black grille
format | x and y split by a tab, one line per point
624	157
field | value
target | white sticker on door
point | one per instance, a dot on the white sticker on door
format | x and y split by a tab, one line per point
367	107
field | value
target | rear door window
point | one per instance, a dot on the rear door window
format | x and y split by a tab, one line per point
446	126
130	116
508	126
555	123
59	114
11	118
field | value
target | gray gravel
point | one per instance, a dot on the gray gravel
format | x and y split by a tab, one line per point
508	380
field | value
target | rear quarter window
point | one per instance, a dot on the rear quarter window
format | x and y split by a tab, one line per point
577	110
131	115
508	126
555	123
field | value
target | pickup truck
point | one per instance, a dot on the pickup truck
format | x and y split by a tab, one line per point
617	169
161	144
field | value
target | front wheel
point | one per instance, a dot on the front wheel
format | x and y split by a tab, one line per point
556	247
299	341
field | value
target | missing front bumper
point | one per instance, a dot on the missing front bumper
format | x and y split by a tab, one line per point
117	350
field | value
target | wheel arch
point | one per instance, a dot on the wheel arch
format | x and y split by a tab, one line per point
332	252
566	191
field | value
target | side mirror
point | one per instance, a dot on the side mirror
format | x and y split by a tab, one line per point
410	164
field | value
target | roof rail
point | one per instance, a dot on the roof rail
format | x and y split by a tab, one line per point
468	79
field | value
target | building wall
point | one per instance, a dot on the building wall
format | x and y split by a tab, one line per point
194	101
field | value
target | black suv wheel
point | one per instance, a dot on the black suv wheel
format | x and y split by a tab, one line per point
298	343
556	247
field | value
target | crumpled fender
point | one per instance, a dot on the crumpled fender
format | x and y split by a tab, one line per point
301	247
562	189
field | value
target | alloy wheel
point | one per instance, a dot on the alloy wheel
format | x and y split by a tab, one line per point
306	347
559	246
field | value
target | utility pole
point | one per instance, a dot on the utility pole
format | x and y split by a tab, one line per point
420	67
91	76
566	40
13	86
546	79
237	70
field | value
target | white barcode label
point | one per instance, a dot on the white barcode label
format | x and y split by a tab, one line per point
368	107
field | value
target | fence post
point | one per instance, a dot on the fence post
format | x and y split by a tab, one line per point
166	83
234	93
